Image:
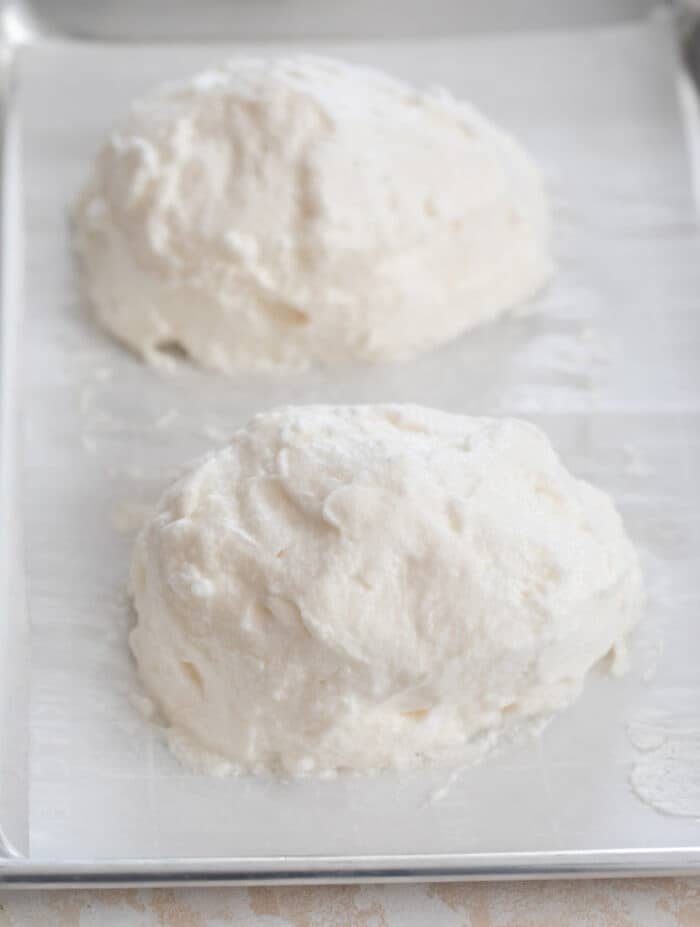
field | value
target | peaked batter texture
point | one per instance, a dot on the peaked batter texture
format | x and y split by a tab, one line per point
296	212
356	588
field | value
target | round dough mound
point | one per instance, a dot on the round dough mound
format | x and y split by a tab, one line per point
361	587
276	214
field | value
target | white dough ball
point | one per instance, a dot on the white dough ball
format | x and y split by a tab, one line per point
362	587
286	213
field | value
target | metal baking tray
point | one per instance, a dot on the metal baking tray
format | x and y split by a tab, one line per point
606	362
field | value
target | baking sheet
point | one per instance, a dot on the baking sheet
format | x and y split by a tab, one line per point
607	364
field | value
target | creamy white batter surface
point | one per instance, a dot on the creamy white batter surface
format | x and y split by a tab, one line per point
363	587
277	213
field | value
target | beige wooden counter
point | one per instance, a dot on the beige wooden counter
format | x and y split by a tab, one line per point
630	903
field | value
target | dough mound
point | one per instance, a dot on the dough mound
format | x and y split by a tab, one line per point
363	587
287	213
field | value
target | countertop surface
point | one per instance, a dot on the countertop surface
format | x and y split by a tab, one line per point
594	903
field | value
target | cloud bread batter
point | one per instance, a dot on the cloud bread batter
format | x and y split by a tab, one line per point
366	587
304	211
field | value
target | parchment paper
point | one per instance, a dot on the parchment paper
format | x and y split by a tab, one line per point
607	364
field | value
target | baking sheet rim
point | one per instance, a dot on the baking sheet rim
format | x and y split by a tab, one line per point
24	873
17	871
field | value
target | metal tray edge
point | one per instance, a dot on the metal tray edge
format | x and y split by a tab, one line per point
18	871
25	873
